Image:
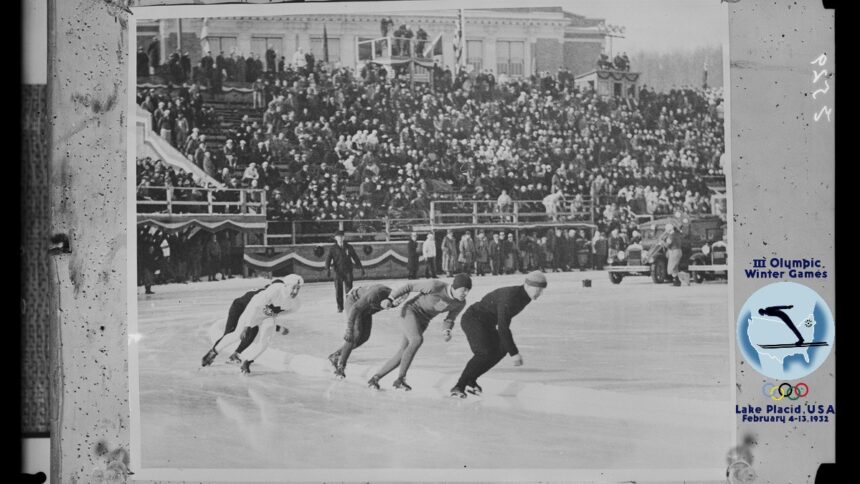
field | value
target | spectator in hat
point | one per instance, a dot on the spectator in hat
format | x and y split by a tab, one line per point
466	256
494	251
212	254
429	252
250	173
191	142
165	126
509	253
412	256
182	127
482	253
230	153
449	254
600	250
343	257
209	164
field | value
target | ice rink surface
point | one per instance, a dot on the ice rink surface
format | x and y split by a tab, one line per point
623	376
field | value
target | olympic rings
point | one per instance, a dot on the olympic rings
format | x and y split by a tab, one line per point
785	390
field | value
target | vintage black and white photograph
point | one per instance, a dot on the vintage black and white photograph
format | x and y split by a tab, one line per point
464	236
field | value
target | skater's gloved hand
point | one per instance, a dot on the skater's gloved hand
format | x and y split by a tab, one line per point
246	366
348	336
447	334
518	360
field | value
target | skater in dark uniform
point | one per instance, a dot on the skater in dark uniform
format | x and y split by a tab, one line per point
776	311
361	304
342	256
236	310
487	327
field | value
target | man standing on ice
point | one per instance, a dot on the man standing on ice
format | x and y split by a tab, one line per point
342	256
264	315
361	304
487	327
432	298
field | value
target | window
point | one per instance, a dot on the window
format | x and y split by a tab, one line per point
364	48
333	49
259	46
510	57
475	54
221	44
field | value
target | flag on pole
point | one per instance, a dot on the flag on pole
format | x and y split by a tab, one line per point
459	41
434	48
705	75
325	44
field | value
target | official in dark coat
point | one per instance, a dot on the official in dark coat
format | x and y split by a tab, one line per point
342	256
412	249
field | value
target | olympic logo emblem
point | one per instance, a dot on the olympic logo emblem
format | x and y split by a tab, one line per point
785	390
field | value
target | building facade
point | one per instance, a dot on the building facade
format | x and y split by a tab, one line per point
515	42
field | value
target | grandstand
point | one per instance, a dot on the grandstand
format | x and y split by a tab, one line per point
379	155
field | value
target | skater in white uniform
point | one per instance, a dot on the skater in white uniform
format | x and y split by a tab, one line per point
264	313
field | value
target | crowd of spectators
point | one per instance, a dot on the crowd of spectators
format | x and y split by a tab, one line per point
178	116
186	255
335	143
332	129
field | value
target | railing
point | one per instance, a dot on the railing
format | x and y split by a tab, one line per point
474	212
197	200
307	231
392	46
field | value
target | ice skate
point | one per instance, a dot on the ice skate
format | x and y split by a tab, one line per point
333	359
373	383
458	392
401	384
209	357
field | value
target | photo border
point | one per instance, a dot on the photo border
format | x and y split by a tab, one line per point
716	474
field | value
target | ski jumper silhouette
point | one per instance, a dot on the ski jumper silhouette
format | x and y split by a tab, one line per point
776	311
